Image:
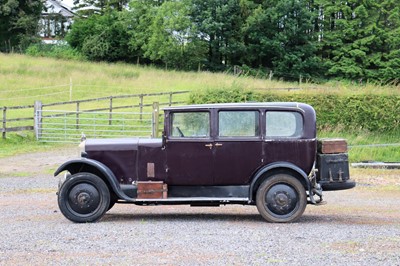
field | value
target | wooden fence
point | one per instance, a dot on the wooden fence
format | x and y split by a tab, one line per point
137	102
5	120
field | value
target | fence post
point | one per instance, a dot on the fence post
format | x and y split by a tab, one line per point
111	107
38	107
70	89
77	115
4	121
155	119
170	99
141	106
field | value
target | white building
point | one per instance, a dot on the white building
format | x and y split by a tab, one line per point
55	21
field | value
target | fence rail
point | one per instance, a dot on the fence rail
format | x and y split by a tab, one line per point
15	128
17	118
62	126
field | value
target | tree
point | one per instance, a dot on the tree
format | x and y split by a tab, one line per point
19	23
174	38
279	35
101	37
219	23
295	34
141	15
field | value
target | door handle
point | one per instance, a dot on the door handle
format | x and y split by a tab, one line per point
209	145
218	144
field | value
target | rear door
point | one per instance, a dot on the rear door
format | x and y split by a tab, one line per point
238	146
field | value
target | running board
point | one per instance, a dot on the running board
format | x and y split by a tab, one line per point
193	200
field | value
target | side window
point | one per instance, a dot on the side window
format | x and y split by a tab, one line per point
284	124
191	125
238	124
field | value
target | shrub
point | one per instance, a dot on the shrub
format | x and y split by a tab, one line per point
59	51
353	113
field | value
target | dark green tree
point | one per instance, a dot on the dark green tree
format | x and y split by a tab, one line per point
360	39
101	37
19	23
219	23
387	55
280	35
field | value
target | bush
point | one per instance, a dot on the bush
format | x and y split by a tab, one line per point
231	95
59	51
335	112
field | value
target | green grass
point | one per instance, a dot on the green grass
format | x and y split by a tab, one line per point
22	143
25	79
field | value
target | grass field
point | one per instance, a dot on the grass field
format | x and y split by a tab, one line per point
25	79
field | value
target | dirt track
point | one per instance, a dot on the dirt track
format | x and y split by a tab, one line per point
360	226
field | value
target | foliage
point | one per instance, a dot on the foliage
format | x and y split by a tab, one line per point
59	51
294	40
352	113
173	38
101	37
228	95
19	23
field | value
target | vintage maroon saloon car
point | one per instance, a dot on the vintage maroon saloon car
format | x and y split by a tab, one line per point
263	154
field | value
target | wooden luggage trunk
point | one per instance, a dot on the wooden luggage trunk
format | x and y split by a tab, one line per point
332	146
151	190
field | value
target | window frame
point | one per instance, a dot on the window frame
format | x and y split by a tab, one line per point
188	138
297	136
258	134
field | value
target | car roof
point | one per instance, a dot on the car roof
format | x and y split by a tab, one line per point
290	105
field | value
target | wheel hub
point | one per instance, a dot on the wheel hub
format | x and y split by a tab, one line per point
84	198
281	199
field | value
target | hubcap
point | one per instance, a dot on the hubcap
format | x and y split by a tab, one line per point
281	199
84	198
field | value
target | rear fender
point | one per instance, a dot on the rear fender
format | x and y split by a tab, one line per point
96	168
273	168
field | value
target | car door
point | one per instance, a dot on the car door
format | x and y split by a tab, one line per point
238	147
189	149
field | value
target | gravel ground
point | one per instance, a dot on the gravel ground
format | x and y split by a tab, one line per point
356	227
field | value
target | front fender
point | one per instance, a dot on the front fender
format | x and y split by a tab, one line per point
88	165
277	166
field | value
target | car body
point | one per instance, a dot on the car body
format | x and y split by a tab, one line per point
261	154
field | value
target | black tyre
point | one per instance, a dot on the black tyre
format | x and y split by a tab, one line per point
281	198
113	200
84	197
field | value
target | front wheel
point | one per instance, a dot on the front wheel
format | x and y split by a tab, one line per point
281	198
84	197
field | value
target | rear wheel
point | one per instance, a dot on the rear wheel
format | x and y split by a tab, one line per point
281	198
84	197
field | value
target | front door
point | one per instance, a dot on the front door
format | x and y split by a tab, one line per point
189	149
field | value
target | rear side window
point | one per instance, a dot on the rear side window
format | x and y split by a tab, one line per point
191	125
284	124
238	124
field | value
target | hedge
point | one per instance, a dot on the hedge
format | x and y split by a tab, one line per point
364	112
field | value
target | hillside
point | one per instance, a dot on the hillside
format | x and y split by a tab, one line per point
25	79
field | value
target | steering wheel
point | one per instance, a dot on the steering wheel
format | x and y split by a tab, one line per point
180	132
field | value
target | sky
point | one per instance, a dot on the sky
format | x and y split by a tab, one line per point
69	3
